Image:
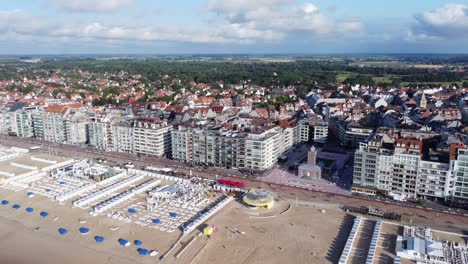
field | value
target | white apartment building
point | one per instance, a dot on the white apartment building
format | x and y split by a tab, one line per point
53	125
144	136
122	137
17	119
459	169
252	151
400	167
75	124
100	133
152	137
263	149
23	122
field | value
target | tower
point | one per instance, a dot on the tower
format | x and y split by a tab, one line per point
312	156
423	103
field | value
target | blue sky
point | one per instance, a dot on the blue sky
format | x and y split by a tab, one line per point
233	26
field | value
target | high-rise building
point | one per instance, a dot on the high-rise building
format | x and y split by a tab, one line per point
152	137
256	150
459	170
411	164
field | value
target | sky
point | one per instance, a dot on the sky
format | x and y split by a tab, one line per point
232	26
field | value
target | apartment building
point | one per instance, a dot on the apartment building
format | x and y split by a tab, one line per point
122	137
23	122
17	119
409	164
349	134
262	149
100	129
75	124
255	150
100	133
53	125
147	136
152	137
459	170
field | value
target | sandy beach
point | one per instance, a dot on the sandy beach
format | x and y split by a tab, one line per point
20	244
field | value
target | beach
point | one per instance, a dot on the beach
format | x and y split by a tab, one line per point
21	244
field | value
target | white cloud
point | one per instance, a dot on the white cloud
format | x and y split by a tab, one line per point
93	5
309	8
236	22
273	20
18	25
449	21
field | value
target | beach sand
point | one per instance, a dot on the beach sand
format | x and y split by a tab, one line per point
302	235
20	244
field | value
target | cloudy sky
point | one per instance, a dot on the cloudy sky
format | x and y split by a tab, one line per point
232	26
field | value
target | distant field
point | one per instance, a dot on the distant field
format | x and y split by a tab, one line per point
399	64
460	83
387	78
429	66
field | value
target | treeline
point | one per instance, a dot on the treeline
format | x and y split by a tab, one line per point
302	73
265	74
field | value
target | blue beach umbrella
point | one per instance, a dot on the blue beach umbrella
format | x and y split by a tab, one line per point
29	209
84	230
156	221
123	242
99	239
62	231
137	242
16	206
44	214
142	251
5	202
131	210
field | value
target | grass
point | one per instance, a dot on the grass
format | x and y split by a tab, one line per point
342	76
387	78
460	83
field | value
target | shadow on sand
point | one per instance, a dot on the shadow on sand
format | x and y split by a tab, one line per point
338	244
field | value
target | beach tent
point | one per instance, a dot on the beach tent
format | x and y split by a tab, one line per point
208	231
62	231
62	183
44	214
30	194
5	202
16	206
173	215
48	190
142	251
156	221
123	242
99	239
29	210
84	230
153	253
137	242
131	210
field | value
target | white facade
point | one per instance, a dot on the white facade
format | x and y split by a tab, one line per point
122	138
152	139
460	175
230	149
402	171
